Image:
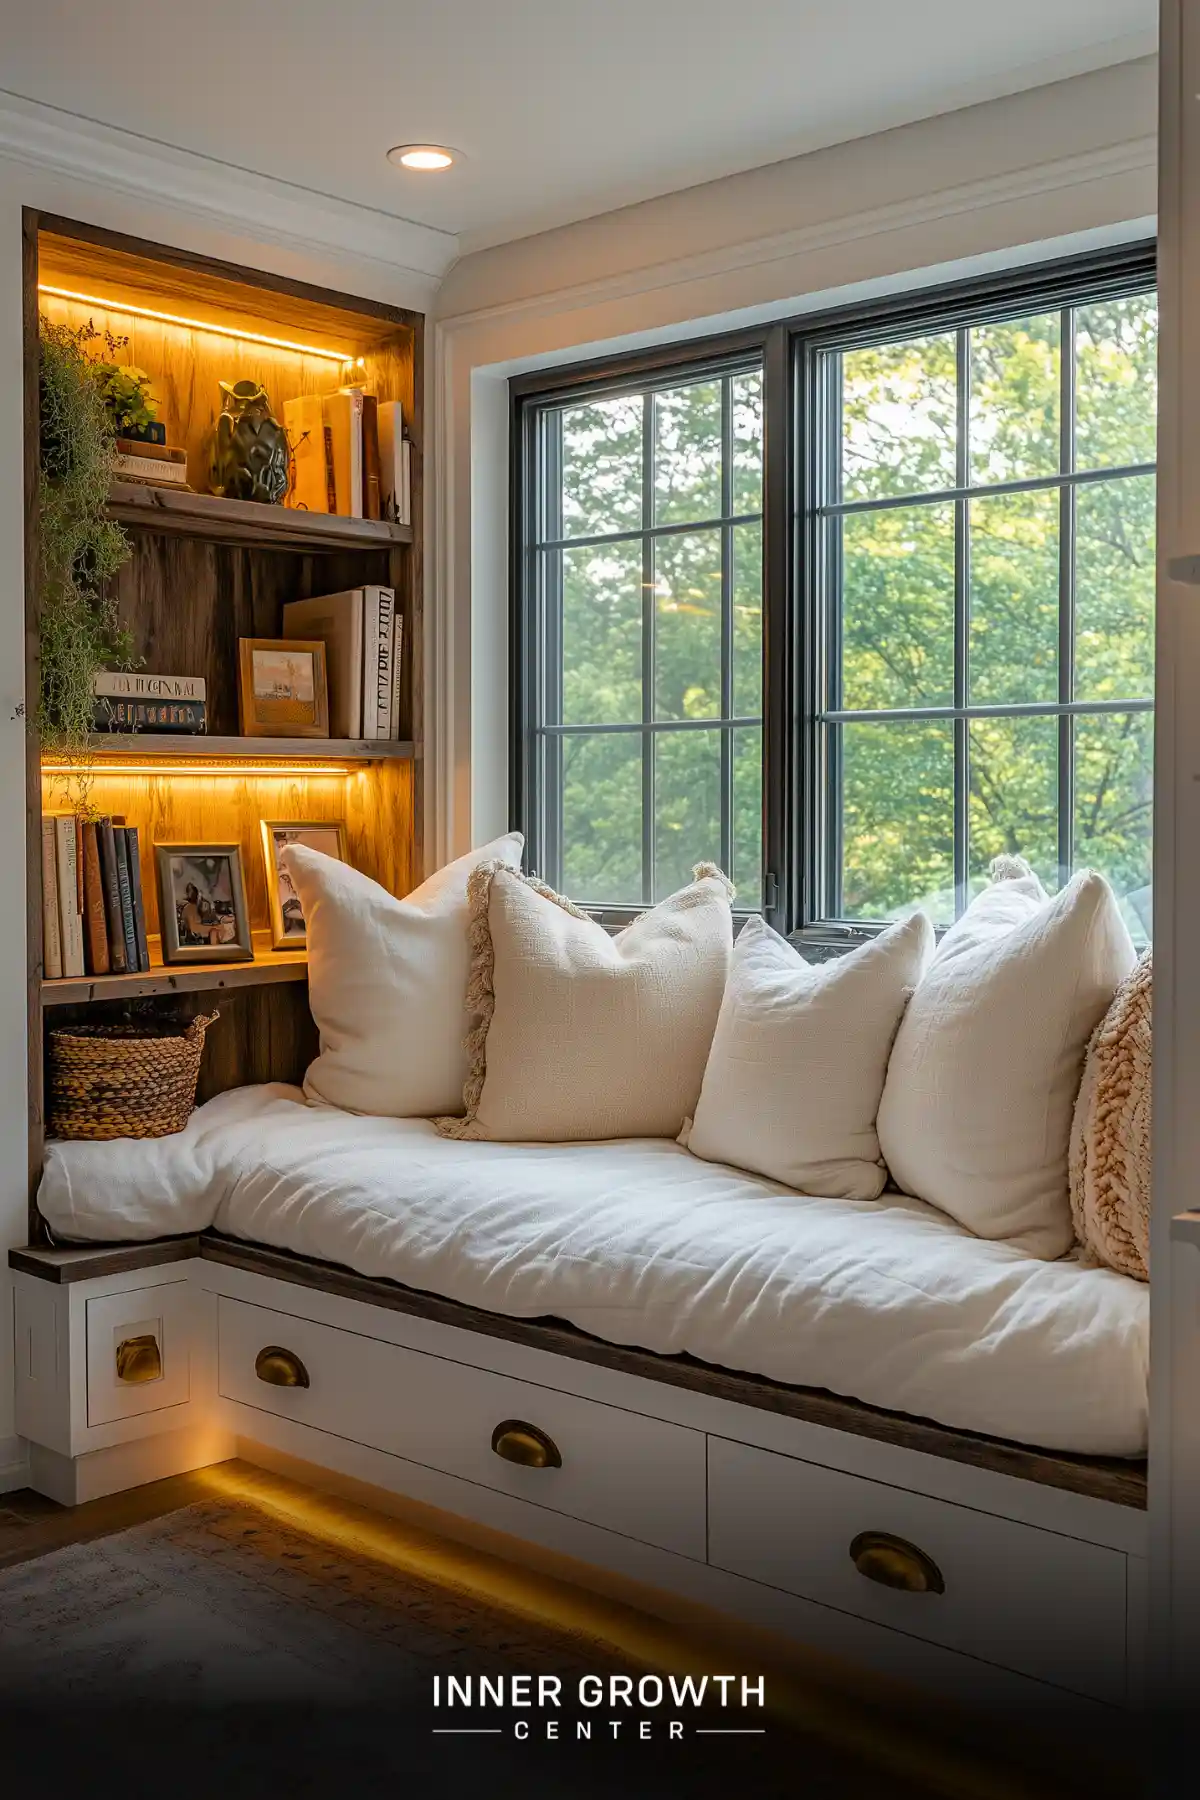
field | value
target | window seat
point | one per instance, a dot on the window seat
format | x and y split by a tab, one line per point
832	1309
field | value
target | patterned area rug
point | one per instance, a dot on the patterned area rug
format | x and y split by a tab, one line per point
218	1650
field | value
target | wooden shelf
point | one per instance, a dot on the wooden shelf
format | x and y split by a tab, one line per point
267	968
170	746
163	509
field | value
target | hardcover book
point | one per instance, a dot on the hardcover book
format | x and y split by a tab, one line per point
139	909
106	839
95	922
51	939
371	484
304	422
343	415
134	684
125	892
148	469
337	621
70	921
377	706
187	717
393	491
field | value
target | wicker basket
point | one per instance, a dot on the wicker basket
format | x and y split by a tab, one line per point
118	1081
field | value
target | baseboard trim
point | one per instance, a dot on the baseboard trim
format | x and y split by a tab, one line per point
74	1480
14	1464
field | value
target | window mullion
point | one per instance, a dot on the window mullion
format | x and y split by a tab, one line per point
1067	514
962	619
726	625
649	576
550	604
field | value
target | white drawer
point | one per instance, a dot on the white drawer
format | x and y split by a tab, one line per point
630	1474
1044	1605
138	1351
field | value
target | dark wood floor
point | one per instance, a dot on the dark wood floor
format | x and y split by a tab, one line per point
31	1525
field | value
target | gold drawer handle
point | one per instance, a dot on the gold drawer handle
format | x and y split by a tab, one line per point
896	1563
518	1442
280	1367
139	1359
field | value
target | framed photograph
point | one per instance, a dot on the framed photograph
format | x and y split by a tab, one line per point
202	907
287	921
282	690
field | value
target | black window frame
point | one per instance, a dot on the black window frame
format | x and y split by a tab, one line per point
796	826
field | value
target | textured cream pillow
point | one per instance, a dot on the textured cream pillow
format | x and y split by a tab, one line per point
387	982
1110	1137
799	1057
582	1035
976	1110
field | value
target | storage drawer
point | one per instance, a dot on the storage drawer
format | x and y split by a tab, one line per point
138	1351
628	1473
1044	1605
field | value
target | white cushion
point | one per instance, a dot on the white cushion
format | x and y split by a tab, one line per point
976	1110
799	1057
387	983
585	1035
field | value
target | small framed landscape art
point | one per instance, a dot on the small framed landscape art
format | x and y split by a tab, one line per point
202	907
282	689
288	931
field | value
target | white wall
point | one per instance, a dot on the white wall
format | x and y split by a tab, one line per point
103	179
1061	167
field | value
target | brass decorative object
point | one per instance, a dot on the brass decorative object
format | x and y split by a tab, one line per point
896	1563
518	1442
280	1367
249	448
139	1359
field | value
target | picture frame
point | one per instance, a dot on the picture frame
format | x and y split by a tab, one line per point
282	688
288	930
202	912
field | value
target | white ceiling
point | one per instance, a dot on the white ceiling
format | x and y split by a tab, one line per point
563	108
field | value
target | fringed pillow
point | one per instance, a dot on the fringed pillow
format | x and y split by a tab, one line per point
1110	1136
582	1035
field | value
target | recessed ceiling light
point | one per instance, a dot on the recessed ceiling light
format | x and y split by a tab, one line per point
423	156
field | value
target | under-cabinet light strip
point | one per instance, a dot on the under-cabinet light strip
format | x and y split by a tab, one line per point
148	312
282	772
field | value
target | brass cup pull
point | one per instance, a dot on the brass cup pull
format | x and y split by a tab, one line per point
280	1367
518	1442
896	1563
139	1359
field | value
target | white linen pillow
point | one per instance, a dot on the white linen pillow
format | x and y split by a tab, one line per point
583	1035
981	1085
387	982
799	1056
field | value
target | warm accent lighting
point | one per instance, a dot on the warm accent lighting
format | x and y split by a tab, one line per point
148	312
427	157
237	771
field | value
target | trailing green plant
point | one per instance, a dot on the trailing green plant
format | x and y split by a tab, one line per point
80	547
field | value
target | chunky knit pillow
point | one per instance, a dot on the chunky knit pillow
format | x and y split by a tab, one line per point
1110	1136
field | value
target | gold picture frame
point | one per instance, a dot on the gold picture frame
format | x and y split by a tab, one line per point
288	930
282	688
202	911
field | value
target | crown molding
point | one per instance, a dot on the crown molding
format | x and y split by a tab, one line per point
47	138
1131	157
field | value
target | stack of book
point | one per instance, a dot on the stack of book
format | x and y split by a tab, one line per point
350	456
127	701
362	635
157	465
93	919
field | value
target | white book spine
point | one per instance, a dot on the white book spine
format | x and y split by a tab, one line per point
397	647
377	693
405	495
51	939
69	919
148	468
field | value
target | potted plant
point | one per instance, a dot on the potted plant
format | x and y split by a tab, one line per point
128	398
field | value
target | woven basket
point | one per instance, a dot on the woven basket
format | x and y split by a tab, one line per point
124	1081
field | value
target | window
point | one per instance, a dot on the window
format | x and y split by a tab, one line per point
980	534
959	654
643	584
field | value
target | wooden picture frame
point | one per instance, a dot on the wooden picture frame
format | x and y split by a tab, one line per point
286	933
202	912
282	688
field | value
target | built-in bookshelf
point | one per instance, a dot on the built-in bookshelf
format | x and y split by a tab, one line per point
204	572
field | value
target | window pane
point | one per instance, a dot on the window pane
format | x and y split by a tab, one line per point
898	413
602	634
687	806
1116	382
602	467
687	612
1014	598
747	621
602	819
1114	589
1013	805
1014	399
746	873
897	819
1114	799
687	453
747	403
897	606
